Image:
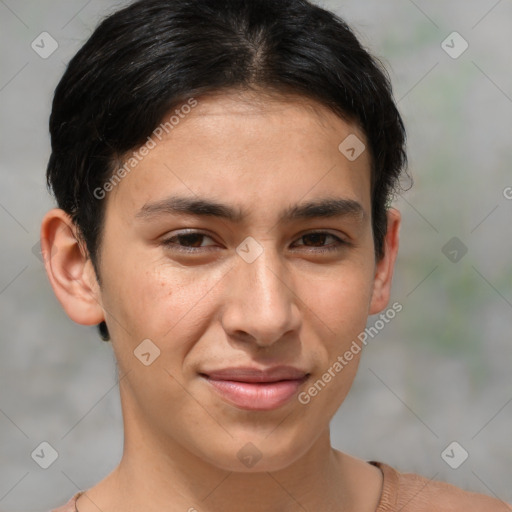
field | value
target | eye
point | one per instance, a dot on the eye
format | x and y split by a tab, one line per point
319	237
190	241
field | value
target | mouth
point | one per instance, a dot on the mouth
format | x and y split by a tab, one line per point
256	389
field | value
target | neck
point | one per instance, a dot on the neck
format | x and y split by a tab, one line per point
156	473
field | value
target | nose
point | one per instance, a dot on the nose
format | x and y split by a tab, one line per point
261	305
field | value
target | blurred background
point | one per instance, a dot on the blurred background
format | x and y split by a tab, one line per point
437	374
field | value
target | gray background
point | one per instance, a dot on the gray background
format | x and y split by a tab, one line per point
439	372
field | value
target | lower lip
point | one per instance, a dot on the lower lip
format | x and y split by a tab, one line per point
256	396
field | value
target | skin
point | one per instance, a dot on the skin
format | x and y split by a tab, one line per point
211	309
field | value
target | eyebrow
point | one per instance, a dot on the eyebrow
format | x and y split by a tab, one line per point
320	208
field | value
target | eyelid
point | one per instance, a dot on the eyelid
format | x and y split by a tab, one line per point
168	240
340	241
340	236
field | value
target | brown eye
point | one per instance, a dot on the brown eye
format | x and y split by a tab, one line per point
318	238
187	242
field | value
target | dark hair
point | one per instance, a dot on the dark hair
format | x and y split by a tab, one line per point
152	56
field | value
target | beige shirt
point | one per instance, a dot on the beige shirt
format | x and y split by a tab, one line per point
407	492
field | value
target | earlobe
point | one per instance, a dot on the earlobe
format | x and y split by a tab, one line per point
385	266
69	269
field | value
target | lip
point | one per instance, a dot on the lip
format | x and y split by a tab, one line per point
256	389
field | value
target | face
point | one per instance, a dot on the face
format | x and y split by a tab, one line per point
241	243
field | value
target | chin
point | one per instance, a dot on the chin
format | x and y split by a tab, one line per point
258	453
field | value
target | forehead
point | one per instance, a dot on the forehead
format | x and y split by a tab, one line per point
248	146
267	106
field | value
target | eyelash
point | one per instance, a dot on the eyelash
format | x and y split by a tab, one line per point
172	245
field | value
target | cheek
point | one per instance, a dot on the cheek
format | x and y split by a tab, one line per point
340	299
150	298
339	309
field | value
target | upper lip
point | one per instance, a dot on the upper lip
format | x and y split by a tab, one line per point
251	374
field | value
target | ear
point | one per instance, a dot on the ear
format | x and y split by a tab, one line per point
385	266
69	269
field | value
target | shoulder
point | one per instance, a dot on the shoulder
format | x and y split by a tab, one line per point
409	492
70	506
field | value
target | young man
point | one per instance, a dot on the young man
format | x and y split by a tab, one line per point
223	172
